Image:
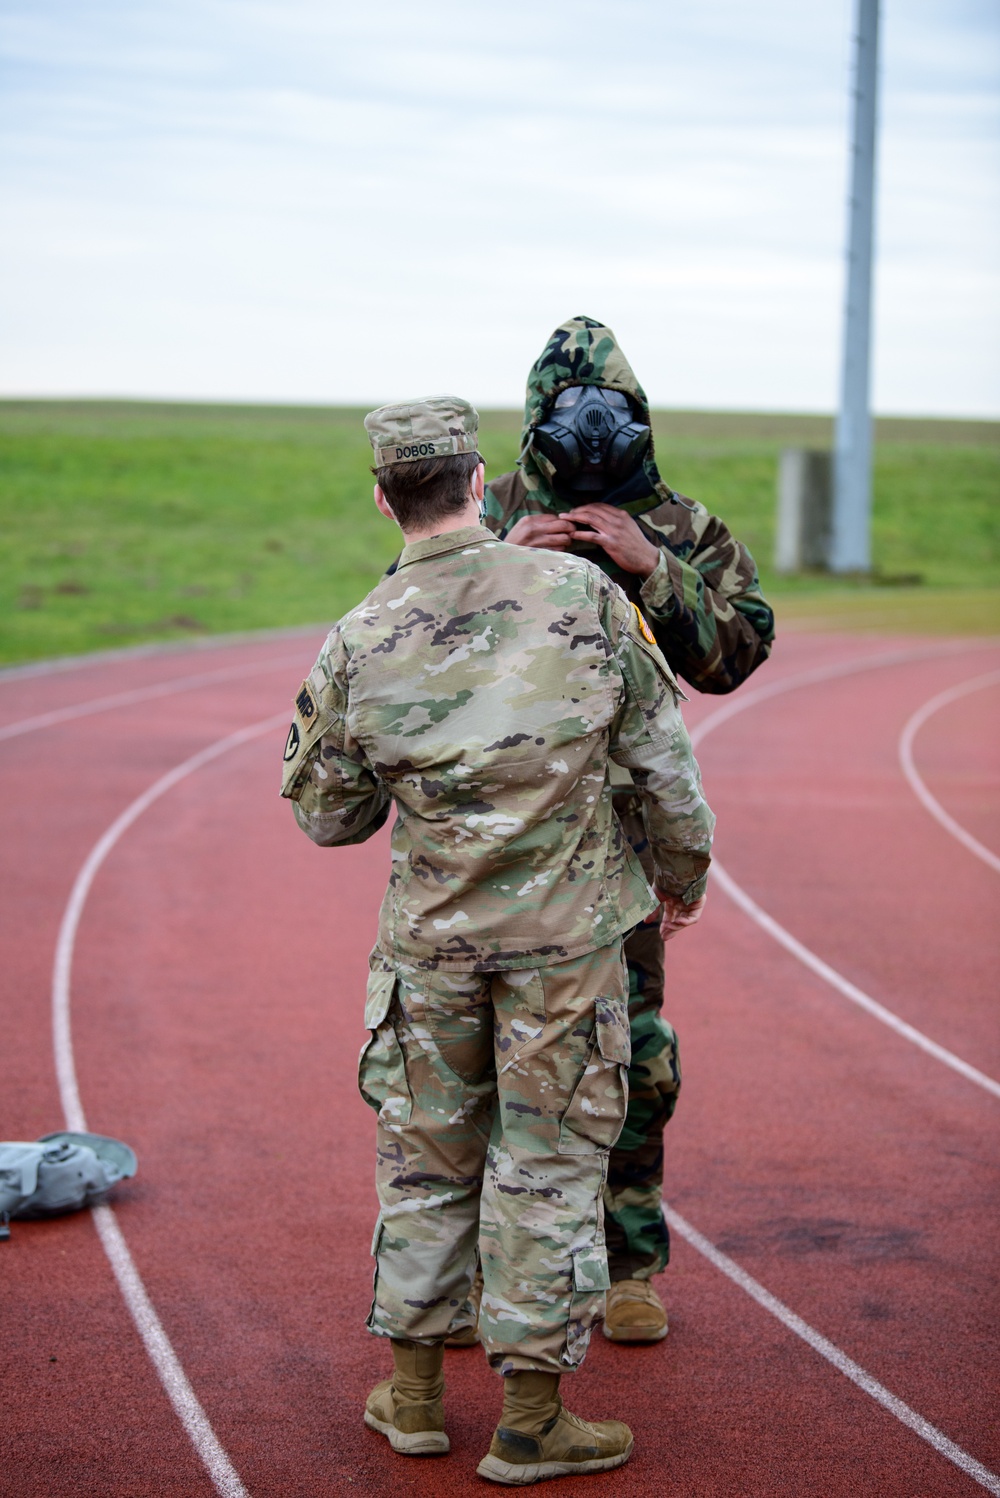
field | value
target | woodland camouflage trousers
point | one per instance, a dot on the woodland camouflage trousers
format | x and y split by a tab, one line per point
637	1237
499	1096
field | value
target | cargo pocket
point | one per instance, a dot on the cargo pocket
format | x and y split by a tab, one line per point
376	1241
590	1269
586	1303
381	1069
596	1111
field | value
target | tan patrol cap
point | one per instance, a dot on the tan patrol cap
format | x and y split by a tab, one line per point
436	427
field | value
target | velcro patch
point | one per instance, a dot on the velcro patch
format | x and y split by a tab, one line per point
307	705
306	729
646	641
292	742
644	628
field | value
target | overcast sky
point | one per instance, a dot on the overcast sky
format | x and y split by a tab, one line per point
307	200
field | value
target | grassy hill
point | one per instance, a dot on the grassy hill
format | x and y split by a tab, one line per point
125	522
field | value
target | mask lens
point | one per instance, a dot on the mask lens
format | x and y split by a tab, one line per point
567	398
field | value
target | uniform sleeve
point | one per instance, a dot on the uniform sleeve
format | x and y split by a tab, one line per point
337	796
702	600
704	604
648	737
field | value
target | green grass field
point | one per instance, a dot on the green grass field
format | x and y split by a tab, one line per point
127	522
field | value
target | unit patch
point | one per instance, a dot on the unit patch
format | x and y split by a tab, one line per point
306	704
644	629
303	736
292	742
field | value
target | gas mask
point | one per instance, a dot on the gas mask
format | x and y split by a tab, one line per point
592	440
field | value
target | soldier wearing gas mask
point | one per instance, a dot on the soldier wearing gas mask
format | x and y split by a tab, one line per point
587	482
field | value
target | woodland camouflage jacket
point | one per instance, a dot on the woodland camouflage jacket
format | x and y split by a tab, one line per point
483	688
703	599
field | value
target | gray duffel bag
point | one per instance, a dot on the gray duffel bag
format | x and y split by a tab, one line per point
60	1173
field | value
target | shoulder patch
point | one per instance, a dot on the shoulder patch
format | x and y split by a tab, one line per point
292	742
641	634
307	705
306	729
644	628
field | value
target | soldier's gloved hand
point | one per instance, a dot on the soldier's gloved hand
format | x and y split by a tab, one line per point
618	534
674	915
550	532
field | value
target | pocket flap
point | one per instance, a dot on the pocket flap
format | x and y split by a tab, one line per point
377	1235
590	1269
381	987
614	1040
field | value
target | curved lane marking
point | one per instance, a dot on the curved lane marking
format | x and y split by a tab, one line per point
913	775
139	694
172	1376
157	1343
771	926
843	985
827	1349
153	649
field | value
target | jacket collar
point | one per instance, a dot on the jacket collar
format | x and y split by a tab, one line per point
437	546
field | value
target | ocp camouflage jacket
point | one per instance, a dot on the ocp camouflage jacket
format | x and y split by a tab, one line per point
483	688
703	599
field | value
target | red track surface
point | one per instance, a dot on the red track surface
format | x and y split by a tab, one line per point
217	993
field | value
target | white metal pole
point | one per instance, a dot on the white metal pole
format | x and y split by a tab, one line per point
850	549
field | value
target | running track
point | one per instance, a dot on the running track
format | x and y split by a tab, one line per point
208	967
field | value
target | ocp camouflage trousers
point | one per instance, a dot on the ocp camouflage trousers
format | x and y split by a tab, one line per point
637	1236
499	1096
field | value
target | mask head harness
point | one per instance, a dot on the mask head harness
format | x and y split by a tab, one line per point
592	440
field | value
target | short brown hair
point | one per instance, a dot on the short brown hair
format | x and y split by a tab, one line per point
427	489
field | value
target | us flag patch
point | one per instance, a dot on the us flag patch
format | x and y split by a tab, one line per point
644	629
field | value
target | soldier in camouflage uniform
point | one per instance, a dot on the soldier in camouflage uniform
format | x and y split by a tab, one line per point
483	689
697	586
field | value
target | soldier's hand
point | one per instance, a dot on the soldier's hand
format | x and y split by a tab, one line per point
675	915
618	534
551	532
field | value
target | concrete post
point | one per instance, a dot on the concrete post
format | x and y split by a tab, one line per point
804	506
851	544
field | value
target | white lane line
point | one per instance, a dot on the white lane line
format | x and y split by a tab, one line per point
736	705
913	775
770	925
164	1359
843	985
172	1376
141	694
94	658
827	1349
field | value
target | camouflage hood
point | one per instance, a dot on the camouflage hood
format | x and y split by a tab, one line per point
582	352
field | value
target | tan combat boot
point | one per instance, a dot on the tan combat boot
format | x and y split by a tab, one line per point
634	1313
469	1335
408	1408
537	1438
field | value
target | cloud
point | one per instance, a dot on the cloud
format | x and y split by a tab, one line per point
299	202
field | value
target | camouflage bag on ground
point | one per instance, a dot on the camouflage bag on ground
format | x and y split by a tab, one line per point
59	1173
